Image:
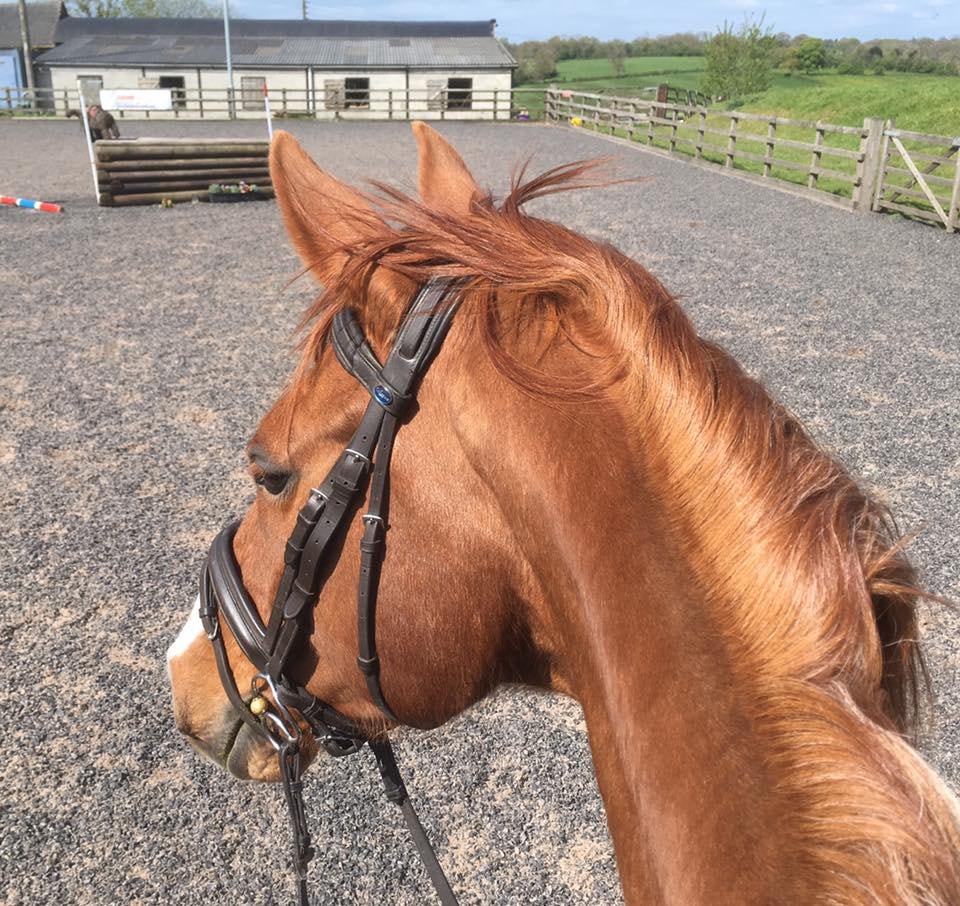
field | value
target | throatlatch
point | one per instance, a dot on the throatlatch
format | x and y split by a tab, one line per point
310	556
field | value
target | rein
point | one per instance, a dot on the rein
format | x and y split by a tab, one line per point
312	552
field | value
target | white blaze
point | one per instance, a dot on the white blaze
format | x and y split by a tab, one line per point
192	630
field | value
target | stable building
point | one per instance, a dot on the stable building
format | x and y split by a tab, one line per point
42	19
326	69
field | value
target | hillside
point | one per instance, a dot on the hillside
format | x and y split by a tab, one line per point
923	103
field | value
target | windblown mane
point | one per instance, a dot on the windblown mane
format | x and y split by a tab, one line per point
800	567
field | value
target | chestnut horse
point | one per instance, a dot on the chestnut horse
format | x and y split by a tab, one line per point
592	499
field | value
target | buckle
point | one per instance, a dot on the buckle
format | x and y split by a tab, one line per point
280	726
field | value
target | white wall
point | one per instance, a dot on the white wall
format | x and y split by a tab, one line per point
490	98
389	91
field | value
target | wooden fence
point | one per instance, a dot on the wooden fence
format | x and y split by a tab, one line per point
865	168
146	171
916	177
324	101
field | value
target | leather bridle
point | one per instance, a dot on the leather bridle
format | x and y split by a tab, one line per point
312	552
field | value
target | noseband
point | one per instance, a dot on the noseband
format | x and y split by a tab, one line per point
311	554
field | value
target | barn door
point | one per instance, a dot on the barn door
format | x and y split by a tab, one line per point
334	94
436	91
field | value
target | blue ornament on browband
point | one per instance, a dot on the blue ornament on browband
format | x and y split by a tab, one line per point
383	396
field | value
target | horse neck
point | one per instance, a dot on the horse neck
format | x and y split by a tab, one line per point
728	774
679	764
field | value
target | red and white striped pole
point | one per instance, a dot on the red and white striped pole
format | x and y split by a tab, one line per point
47	206
266	107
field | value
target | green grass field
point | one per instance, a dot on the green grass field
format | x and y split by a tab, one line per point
921	103
918	103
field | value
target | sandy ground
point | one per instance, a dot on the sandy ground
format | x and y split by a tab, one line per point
140	347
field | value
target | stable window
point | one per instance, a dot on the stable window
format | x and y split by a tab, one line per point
178	93
459	94
356	93
251	90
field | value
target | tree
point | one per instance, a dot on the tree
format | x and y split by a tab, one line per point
617	55
175	9
738	62
811	55
536	62
100	9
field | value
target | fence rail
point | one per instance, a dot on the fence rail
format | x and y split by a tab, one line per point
874	167
865	168
323	101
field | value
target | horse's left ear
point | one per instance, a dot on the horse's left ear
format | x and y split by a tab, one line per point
445	182
323	216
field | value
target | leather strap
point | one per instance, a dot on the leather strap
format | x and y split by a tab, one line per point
310	556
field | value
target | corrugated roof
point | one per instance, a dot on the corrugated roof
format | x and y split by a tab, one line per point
271	50
42	20
74	27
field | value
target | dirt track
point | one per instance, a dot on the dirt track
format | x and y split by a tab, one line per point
141	345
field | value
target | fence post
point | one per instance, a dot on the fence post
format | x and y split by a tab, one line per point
732	141
881	166
663	93
869	167
814	173
9	102
771	146
701	128
673	132
953	212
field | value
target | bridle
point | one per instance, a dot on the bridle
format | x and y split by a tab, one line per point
312	552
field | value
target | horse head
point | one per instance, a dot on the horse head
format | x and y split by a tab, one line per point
588	497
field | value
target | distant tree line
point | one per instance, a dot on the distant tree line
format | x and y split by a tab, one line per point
793	53
538	59
144	8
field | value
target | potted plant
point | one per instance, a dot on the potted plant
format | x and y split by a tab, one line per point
229	192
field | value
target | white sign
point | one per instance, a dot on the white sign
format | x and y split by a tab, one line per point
136	99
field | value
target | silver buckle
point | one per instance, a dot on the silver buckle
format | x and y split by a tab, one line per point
284	721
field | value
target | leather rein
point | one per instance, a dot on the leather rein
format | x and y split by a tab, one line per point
312	552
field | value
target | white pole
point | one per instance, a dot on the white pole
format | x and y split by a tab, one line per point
226	38
266	107
86	132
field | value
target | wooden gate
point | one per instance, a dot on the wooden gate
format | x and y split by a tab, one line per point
920	182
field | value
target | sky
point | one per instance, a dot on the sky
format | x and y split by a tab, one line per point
528	20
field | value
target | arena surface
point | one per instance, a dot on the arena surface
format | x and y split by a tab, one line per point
140	347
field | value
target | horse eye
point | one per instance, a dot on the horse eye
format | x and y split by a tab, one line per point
273	482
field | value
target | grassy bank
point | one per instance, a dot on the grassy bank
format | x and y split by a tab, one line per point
921	103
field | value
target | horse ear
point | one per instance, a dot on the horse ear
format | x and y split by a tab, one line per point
321	214
445	182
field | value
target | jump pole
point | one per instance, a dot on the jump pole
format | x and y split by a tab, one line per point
47	206
266	107
86	132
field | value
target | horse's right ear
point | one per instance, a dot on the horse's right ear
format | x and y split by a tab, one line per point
321	214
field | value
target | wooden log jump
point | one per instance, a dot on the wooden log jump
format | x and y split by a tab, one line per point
148	170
